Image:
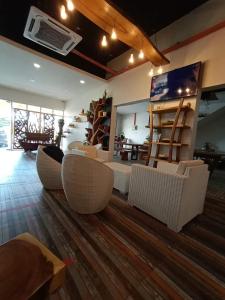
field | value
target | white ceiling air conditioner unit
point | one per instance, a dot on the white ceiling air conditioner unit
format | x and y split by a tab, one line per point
46	31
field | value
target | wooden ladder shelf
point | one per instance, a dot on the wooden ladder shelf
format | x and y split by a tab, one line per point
177	126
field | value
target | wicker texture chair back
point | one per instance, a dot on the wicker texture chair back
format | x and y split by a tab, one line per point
74	144
49	170
87	183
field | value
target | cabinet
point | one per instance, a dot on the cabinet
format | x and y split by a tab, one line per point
170	132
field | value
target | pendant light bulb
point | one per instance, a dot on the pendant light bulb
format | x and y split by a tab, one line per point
104	42
70	5
113	34
141	54
131	59
151	73
160	70
63	13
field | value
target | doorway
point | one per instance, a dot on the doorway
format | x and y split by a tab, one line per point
5	124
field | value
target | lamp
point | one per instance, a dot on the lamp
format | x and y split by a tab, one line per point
131	59
104	41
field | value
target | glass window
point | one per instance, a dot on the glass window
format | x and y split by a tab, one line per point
58	112
33	108
19	105
46	110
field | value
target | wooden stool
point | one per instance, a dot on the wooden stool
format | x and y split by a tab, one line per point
124	154
58	266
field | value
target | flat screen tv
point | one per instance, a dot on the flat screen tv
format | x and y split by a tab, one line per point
179	83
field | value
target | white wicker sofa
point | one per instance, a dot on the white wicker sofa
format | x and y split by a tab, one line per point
91	152
172	194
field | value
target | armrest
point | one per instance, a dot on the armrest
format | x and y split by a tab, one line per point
103	154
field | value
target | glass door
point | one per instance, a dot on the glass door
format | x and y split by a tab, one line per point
5	124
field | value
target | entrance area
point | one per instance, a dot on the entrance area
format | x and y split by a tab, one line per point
5	124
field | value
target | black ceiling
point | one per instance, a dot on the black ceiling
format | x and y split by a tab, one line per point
151	16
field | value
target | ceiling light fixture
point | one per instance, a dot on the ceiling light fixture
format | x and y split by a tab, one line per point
151	73
37	66
131	59
141	54
160	70
63	13
113	34
32	80
70	5
82	81
104	41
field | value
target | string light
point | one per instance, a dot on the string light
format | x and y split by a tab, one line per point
70	5
151	73
160	70
63	13
141	54
131	59
113	34
104	42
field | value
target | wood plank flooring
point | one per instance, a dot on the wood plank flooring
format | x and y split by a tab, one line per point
120	253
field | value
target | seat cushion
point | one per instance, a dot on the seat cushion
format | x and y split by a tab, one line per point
54	152
188	163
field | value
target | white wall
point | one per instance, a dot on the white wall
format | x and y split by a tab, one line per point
125	125
74	107
20	96
135	84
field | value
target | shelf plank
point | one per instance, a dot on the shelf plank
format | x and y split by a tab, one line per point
170	109
168	144
171	126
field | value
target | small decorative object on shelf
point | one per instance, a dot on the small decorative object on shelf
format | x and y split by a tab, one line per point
99	116
77	119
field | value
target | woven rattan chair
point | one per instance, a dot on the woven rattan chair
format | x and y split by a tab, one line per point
87	183
49	170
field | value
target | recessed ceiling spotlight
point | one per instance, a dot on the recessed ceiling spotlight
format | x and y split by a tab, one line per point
82	81
32	80
37	66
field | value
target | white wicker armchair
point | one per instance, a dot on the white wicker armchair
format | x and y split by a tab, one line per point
87	183
174	195
49	170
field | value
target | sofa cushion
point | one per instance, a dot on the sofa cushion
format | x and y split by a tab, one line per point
54	152
187	163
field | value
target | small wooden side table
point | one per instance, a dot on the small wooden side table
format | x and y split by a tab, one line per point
28	270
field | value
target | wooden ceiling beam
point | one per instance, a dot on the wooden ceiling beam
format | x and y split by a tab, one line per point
107	17
94	62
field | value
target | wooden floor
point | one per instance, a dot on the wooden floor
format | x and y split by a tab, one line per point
120	253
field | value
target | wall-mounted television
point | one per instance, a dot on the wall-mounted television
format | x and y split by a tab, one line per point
179	83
